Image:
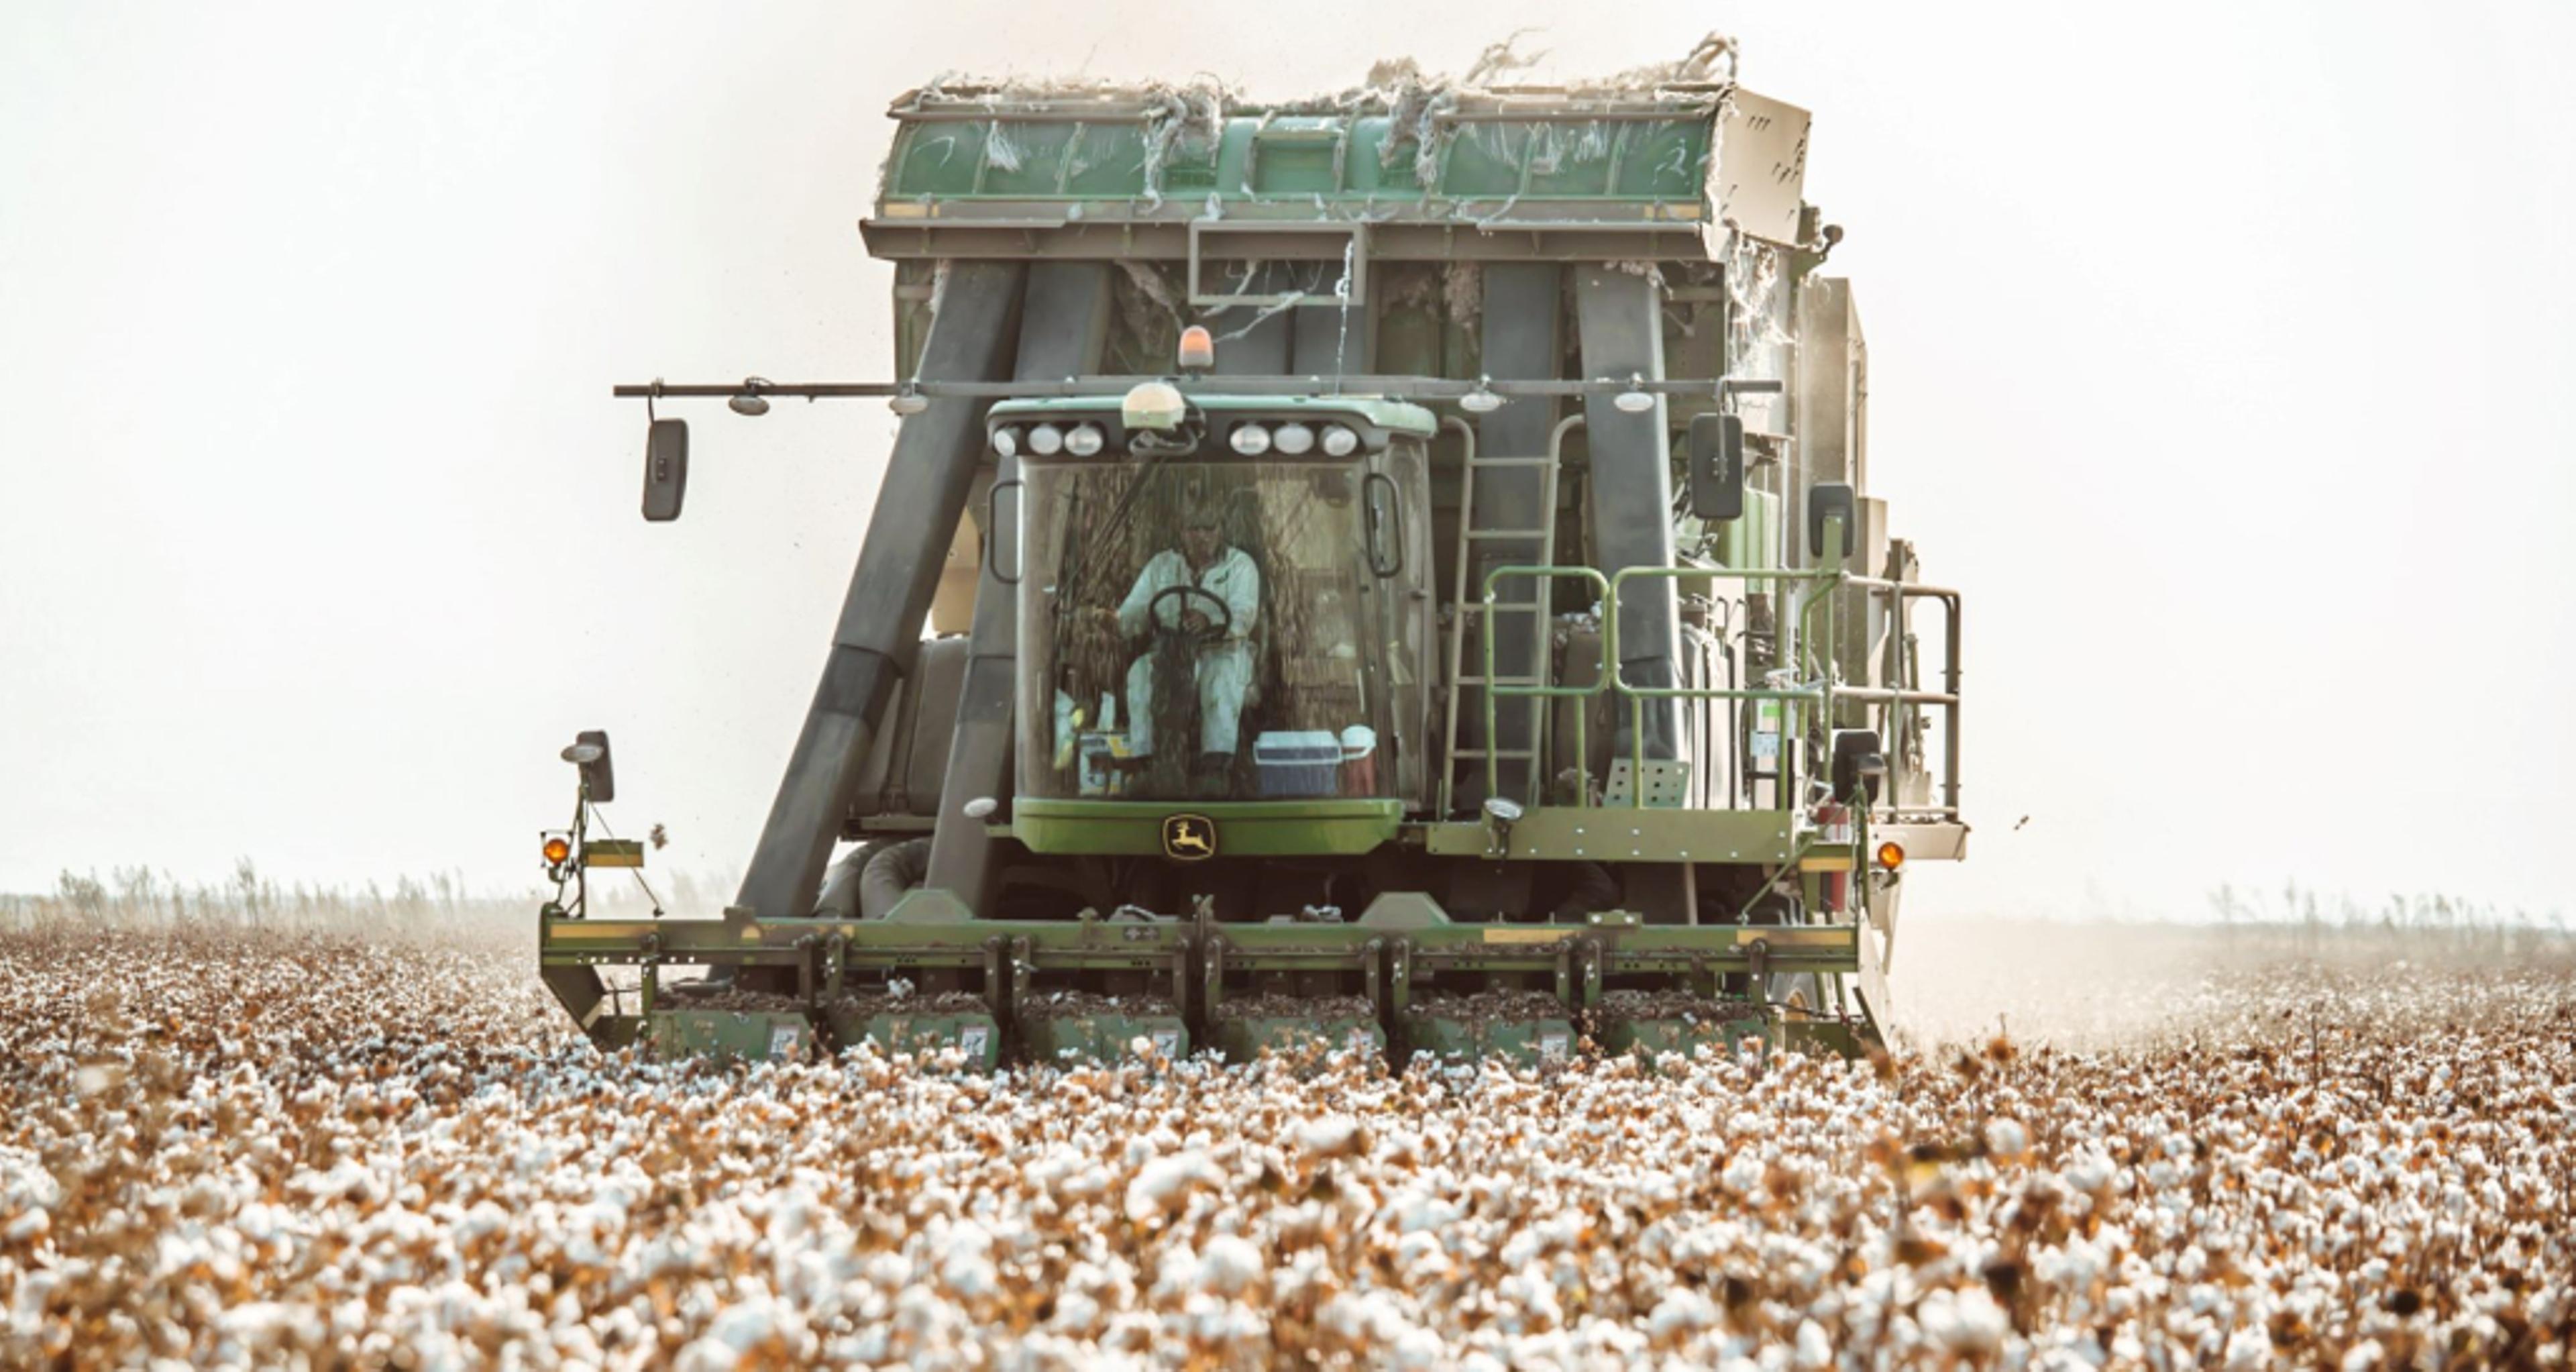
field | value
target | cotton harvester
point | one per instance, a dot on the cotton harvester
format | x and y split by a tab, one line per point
1398	567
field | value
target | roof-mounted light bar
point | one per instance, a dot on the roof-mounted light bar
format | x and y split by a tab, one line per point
1414	388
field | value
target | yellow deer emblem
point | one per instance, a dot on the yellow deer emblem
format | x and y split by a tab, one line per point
1189	837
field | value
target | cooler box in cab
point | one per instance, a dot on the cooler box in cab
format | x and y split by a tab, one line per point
1299	762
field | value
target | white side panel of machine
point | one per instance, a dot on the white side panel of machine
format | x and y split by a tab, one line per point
1760	180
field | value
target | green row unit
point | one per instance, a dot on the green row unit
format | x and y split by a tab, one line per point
1401	943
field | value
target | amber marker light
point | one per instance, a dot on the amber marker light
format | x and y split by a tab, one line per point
1198	350
1891	855
557	851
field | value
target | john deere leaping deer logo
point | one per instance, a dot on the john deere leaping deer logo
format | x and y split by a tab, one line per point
1189	837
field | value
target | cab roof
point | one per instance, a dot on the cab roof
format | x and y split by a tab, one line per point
1397	415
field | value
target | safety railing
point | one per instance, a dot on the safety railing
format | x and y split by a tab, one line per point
1802	705
1896	703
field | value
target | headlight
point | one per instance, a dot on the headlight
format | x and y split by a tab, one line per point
1340	441
1046	440
1251	440
1006	441
1294	439
1084	440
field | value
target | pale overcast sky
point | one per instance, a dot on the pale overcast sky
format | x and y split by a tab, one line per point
2220	352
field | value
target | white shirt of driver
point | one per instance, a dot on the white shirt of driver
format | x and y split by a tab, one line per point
1231	578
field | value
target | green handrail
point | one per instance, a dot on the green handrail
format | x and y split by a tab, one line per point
1495	690
1799	699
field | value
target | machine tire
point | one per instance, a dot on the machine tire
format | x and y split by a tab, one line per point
892	874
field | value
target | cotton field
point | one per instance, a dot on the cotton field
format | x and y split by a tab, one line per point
279	1151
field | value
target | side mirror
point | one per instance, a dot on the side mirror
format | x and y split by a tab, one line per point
1717	466
1384	516
1858	764
1831	500
589	752
666	469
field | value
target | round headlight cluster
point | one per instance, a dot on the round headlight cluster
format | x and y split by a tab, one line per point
1046	440
1292	439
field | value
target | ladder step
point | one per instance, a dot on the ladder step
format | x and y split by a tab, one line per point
1506	755
1499	681
1481	460
1478	607
1508	533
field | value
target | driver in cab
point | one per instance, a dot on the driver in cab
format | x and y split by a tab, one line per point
1207	592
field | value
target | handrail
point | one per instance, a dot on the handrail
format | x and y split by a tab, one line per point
1800	696
1821	697
1494	690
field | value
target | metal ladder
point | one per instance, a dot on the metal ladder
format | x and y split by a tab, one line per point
1471	605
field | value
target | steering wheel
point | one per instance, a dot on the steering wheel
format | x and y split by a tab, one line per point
1220	620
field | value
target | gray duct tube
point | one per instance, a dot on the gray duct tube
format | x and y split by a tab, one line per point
1522	305
891	874
1063	324
926	482
1632	483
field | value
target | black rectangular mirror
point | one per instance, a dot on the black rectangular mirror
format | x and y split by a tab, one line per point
596	772
1831	500
1717	466
666	469
1384	518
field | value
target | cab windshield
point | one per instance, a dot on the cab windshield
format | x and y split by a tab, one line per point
1204	629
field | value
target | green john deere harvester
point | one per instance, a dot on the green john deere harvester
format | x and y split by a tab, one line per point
1398	569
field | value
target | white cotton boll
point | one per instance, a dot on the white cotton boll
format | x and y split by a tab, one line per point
1743	1174
1419	1257
2091	1171
1418	1348
2006	1139
966	1262
1682	1311
2247	1349
1165	1182
1331	1137
1814	1349
2364	1356
733	1336
1229	1264
1963	1323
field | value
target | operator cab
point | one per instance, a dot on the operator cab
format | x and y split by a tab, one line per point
1221	598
